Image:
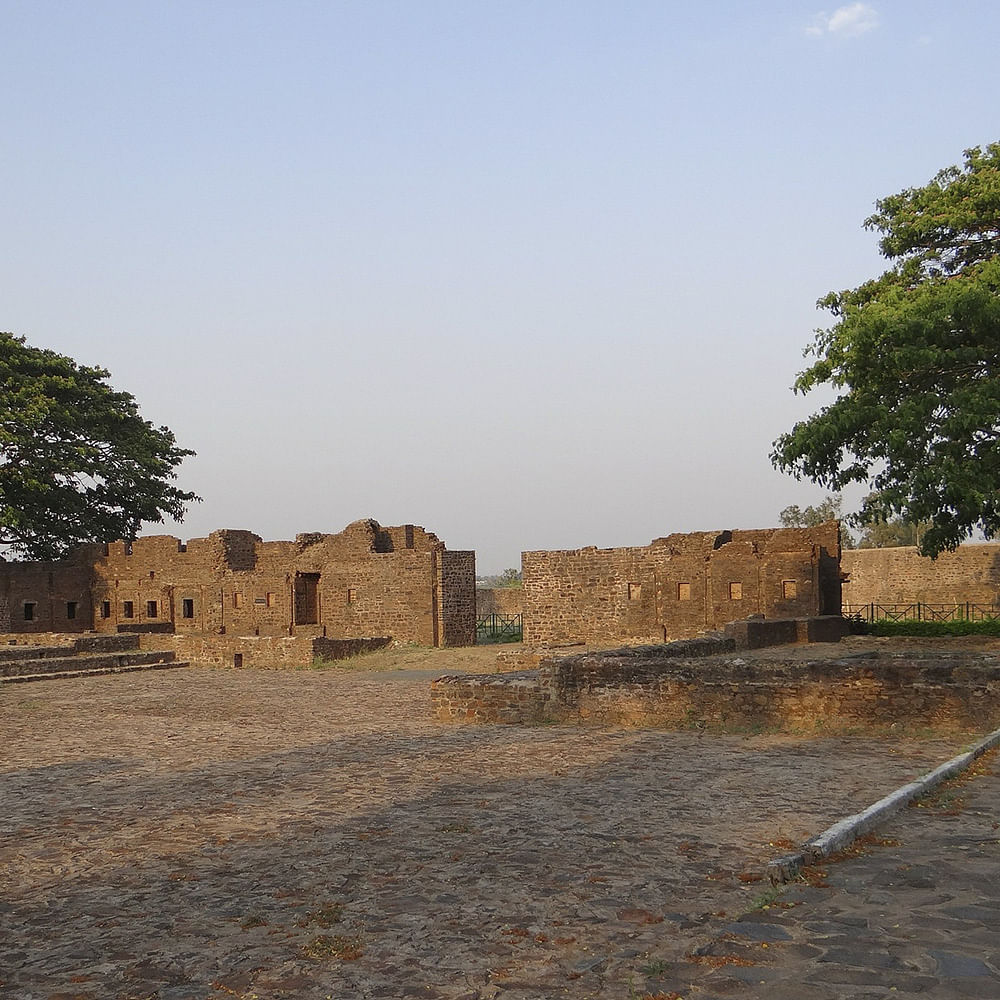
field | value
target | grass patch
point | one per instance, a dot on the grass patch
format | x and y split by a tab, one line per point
326	916
909	627
347	949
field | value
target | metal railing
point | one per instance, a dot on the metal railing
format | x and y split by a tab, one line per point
922	612
499	628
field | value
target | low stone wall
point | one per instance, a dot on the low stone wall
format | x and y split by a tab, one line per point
260	651
517	698
643	686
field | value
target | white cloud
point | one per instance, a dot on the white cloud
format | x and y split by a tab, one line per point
846	22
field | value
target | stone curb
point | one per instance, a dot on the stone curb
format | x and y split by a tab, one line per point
846	831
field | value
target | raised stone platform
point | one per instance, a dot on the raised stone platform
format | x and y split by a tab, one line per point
85	656
709	684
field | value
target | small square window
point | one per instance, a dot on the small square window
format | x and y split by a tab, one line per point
187	608
70	610
105	609
789	589
128	609
29	611
684	592
150	609
736	592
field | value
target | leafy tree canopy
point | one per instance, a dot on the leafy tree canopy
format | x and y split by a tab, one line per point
77	461
890	534
914	357
829	509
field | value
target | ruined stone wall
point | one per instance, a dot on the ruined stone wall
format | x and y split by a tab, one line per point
39	597
680	585
903	576
508	601
265	651
645	687
365	581
457	598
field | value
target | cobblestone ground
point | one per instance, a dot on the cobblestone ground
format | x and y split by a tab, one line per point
313	834
915	913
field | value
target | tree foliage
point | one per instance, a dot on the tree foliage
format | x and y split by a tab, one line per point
77	461
914	357
891	534
829	509
510	577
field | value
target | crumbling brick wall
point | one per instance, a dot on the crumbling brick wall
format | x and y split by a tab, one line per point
365	581
679	586
903	576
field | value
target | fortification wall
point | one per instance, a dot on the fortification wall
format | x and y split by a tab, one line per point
364	581
507	601
679	586
457	598
40	597
903	576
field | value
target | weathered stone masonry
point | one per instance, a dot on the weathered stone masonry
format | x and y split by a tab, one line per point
366	581
679	586
903	576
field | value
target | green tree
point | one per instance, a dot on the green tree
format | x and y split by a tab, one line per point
508	578
890	535
829	509
77	461
914	357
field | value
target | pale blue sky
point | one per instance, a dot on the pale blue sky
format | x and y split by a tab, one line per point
533	275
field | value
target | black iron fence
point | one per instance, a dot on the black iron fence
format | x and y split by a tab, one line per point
921	612
499	628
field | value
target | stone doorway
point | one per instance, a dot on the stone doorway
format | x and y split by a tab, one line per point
307	598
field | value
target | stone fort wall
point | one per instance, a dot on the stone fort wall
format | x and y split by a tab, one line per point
903	576
508	601
679	586
366	581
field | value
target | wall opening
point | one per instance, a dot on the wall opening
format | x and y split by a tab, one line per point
684	592
187	608
736	592
352	595
29	611
150	609
237	660
269	600
70	610
105	609
306	598
128	609
634	591
237	599
789	589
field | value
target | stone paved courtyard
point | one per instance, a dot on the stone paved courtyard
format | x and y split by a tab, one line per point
313	834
